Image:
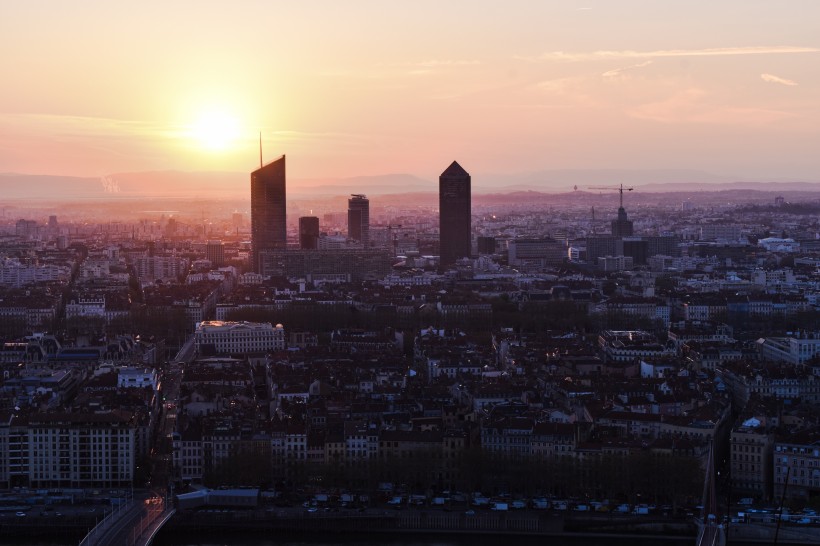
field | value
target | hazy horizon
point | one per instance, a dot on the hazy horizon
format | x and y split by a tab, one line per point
235	185
366	88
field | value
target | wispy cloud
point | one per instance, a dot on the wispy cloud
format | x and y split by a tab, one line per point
616	73
393	70
70	126
432	63
658	53
771	78
695	106
556	85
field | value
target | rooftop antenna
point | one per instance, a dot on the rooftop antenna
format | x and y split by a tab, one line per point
260	149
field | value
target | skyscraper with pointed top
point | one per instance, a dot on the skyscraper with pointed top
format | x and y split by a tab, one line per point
454	214
622	226
268	209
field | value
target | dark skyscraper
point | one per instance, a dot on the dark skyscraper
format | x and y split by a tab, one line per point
268	212
215	253
308	232
621	227
358	218
454	214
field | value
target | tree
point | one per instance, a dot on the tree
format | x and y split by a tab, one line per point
12	327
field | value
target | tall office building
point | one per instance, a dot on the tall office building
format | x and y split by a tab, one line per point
268	211
215	253
308	232
358	218
486	245
454	214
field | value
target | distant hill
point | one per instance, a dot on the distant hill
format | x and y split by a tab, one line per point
208	185
386	184
727	186
34	186
564	180
542	185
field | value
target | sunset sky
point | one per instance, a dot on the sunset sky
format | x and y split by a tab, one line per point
354	87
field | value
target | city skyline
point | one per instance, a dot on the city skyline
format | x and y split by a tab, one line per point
371	89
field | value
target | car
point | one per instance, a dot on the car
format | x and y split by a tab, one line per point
312	509
20	514
469	513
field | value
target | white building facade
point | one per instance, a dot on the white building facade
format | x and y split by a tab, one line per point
240	337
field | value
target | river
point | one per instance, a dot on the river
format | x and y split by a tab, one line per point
432	539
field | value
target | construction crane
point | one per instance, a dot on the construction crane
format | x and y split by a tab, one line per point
620	189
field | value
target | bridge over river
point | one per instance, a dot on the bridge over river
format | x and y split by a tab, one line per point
135	523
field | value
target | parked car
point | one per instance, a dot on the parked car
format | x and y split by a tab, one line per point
540	503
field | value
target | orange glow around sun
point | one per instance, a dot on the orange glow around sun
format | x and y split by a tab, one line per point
215	130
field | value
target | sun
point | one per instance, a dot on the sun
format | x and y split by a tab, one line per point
215	130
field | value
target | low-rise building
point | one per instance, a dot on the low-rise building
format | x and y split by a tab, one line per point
797	465
239	337
751	444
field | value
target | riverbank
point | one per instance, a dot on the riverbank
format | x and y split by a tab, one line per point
389	524
413	521
483	523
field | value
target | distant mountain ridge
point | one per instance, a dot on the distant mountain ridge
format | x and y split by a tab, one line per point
755	186
231	185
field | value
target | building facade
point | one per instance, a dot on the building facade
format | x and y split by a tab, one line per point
70	450
215	253
343	265
538	252
751	446
797	459
240	337
308	232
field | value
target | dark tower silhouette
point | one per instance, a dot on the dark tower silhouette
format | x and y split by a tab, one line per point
454	214
268	212
358	218
215	252
308	232
621	227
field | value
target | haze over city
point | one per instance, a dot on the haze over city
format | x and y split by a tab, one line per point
711	92
417	272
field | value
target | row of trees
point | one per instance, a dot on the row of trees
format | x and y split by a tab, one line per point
528	316
659	478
